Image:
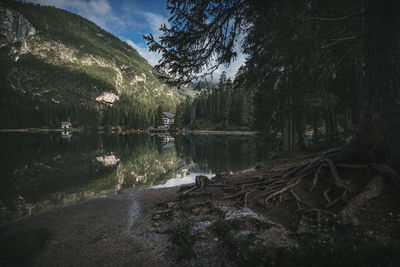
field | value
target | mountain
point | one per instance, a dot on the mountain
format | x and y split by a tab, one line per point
57	65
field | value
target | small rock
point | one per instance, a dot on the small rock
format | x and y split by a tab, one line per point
201	233
157	217
355	221
196	211
171	204
206	210
205	224
242	235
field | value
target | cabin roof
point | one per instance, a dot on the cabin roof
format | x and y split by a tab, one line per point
169	115
65	123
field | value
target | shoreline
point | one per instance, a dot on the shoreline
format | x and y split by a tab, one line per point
199	132
121	229
206	132
136	228
36	130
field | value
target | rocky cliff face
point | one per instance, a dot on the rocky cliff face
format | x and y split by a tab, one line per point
15	30
62	65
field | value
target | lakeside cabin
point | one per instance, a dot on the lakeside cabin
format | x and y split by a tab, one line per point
66	125
168	119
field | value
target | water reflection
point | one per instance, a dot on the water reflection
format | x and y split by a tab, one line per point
108	160
40	172
180	180
66	135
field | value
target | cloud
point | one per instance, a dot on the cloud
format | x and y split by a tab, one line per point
98	11
132	21
154	21
234	66
151	57
101	13
100	7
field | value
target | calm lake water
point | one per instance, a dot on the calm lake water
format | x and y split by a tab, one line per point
43	171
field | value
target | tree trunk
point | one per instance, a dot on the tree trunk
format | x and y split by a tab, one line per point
300	129
328	126
292	134
193	112
315	127
285	135
228	105
377	137
331	128
288	129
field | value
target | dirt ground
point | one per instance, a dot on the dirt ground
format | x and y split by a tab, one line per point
208	226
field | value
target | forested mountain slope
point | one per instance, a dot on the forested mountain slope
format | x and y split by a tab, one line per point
55	65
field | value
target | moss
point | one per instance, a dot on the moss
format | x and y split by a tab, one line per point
222	228
182	239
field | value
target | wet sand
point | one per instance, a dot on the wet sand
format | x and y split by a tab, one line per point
105	231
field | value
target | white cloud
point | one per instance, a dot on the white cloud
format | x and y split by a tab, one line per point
151	57
97	11
101	13
100	7
154	21
234	66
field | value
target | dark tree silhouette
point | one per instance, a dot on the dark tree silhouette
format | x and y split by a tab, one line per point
203	34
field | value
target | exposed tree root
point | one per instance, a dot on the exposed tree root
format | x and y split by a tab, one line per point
191	206
299	201
372	190
202	181
387	172
326	195
316	175
279	187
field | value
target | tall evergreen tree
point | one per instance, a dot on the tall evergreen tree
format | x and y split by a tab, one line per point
298	49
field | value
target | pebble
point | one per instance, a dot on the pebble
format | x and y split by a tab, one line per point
196	211
171	204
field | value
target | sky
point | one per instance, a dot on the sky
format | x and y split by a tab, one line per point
130	20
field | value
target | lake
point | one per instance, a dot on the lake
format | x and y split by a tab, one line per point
43	171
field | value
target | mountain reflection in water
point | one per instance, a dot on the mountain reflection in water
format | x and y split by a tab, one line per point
40	172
